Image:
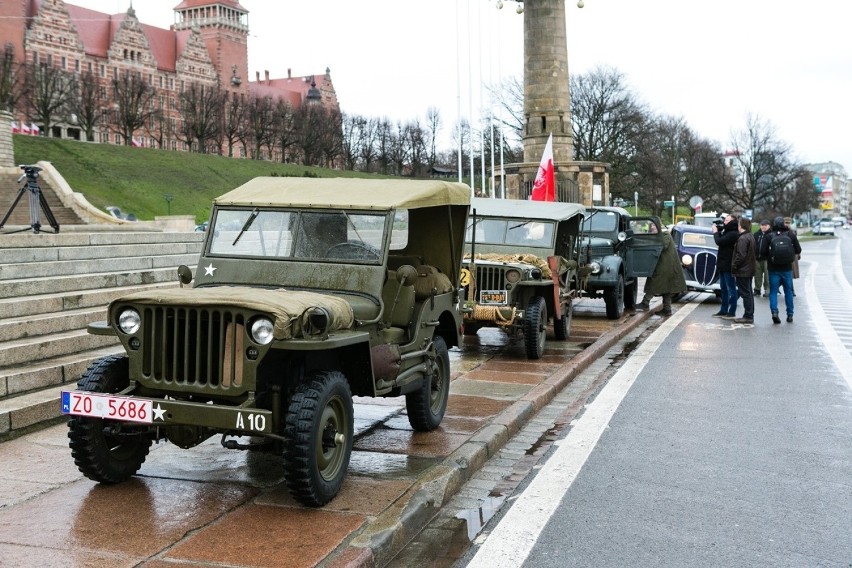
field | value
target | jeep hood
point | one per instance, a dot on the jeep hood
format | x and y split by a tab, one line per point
288	308
514	260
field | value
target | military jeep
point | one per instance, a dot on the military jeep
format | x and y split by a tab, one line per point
307	292
520	269
618	249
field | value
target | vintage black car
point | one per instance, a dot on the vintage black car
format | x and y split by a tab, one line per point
618	249
698	254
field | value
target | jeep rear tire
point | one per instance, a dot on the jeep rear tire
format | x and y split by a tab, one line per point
426	406
631	294
104	450
319	428
562	326
614	298
535	327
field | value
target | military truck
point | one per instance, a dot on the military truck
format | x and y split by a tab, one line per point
520	269
618	249
307	292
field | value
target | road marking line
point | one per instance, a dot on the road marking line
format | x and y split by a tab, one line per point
513	538
827	334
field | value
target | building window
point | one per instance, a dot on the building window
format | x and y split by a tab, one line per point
103	70
77	65
64	63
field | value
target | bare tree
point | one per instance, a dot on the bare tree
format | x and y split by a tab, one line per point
87	103
309	127
259	117
11	83
331	138
433	126
48	91
762	166
286	133
233	120
509	100
369	144
200	109
132	98
353	132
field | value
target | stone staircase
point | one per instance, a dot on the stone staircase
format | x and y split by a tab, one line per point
51	287
20	216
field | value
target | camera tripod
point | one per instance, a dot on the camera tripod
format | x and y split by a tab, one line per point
36	199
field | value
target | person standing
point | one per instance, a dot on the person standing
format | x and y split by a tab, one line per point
788	222
667	279
725	239
742	267
780	249
761	276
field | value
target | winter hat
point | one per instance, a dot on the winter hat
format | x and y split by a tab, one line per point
778	222
764	221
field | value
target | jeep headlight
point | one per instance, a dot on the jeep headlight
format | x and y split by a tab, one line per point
261	331
686	260
535	273
129	321
513	275
596	267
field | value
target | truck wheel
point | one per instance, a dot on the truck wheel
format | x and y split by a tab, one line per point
319	428
614	298
104	450
562	326
535	330
426	406
631	294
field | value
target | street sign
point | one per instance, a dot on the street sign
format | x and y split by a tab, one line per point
668	203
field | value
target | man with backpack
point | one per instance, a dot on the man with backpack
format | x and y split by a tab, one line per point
780	249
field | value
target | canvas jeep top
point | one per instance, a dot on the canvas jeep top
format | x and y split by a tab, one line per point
520	268
307	291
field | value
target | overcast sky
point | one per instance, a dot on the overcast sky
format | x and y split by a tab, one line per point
710	62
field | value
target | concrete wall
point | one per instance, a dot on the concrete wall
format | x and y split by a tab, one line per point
7	153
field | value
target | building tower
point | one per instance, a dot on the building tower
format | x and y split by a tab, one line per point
547	110
224	26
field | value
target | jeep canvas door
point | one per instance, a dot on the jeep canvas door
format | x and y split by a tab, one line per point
644	246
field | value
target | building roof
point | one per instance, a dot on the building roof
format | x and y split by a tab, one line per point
198	3
94	29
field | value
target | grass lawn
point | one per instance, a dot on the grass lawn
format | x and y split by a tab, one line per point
138	179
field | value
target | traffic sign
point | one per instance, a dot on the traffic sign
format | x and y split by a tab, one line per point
668	203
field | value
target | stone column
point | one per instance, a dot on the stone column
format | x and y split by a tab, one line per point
7	153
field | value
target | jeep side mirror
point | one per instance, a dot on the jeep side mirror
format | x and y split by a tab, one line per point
406	275
184	274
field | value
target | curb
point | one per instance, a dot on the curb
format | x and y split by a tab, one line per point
384	537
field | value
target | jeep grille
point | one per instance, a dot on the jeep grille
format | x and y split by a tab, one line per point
600	252
705	268
490	277
193	347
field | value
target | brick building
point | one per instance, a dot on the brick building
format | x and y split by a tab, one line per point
206	47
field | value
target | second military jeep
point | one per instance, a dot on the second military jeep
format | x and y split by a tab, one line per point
520	269
619	249
307	292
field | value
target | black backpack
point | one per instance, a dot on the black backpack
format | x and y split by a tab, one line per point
781	249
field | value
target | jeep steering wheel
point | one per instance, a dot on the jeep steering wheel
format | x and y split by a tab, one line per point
352	250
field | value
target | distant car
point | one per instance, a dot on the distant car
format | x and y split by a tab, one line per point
202	227
839	222
698	254
824	226
119	214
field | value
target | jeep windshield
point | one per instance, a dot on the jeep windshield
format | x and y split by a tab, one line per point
331	236
516	232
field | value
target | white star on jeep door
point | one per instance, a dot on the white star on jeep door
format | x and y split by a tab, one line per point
209	270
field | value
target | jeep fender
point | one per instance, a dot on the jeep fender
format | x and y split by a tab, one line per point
611	267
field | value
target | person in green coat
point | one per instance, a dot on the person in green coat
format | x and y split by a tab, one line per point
667	280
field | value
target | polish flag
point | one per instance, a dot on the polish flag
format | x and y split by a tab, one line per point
15	128
136	143
25	129
544	187
34	129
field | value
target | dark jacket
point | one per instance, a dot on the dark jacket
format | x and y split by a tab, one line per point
668	274
725	240
759	237
778	228
745	257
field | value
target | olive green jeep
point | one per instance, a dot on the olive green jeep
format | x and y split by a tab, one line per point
307	292
520	269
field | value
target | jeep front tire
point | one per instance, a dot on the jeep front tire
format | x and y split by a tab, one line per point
535	327
426	406
319	428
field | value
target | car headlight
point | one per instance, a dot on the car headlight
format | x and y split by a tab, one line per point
596	267
513	275
535	273
129	321
686	260
261	331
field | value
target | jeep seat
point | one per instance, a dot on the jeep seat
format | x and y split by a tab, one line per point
430	281
398	303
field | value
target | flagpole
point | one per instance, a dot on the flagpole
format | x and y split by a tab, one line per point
459	165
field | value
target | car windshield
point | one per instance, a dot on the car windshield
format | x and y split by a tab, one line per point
300	235
601	222
516	232
701	240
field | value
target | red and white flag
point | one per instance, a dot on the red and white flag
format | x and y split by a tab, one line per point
544	187
25	129
136	143
15	127
34	129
